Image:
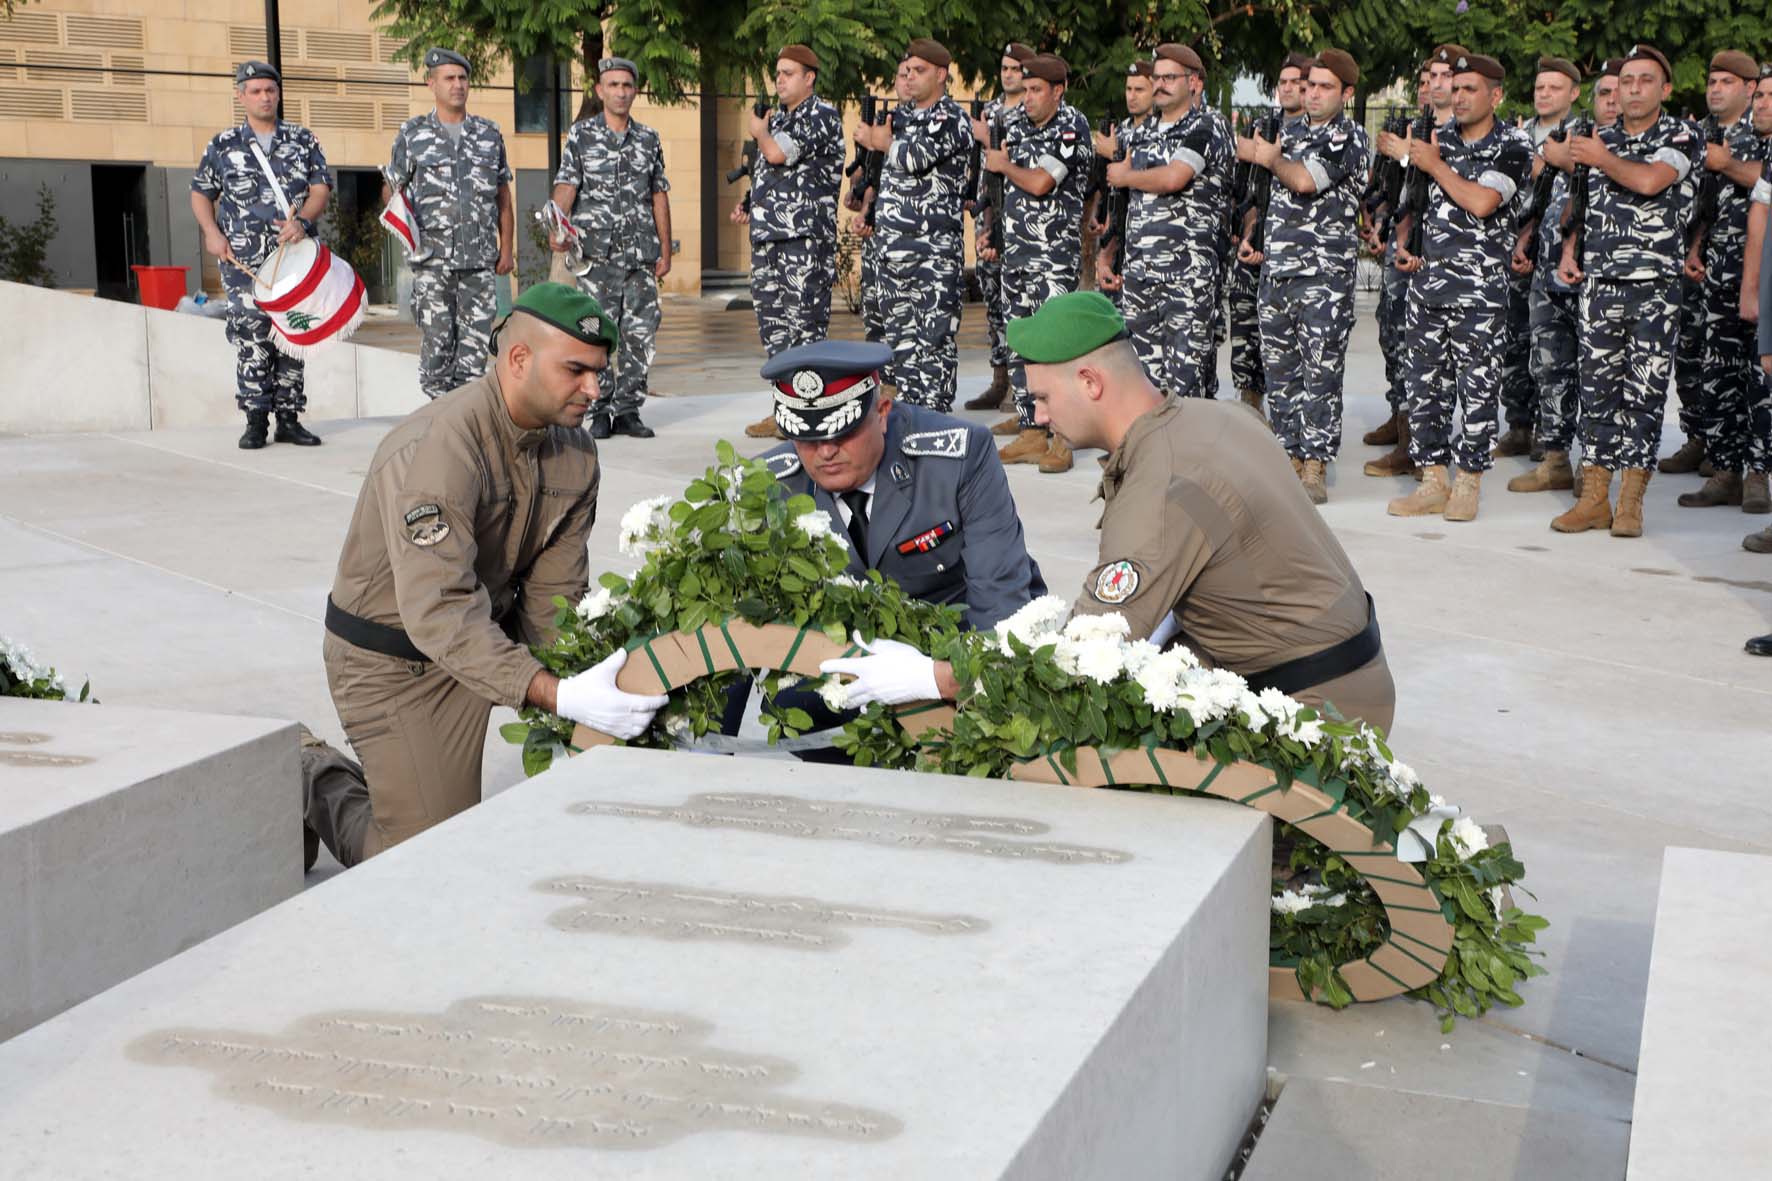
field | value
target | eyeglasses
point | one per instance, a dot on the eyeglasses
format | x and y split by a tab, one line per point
1176	77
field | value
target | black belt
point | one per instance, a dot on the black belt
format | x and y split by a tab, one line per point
1337	660
373	637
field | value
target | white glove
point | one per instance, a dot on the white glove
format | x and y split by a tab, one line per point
891	673
591	699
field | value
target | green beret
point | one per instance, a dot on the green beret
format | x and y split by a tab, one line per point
571	311
1066	327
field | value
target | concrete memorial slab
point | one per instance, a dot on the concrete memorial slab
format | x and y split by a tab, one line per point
126	836
668	965
1702	1090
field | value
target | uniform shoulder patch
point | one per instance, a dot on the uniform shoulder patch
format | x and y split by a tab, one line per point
1115	583
783	465
423	511
425	525
943	444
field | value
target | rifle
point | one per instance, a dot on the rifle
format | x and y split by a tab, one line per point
1421	129
857	171
1532	218
1261	182
1578	195
1098	182
993	230
760	108
1704	205
975	161
1386	188
876	163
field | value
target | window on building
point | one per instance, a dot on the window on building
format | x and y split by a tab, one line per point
532	95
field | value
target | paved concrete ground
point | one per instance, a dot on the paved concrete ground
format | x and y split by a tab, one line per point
1589	693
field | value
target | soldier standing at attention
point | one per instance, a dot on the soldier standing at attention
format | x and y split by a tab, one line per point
1178	179
451	165
1756	294
1638	179
1458	300
863	202
1044	164
234	199
919	223
1308	270
792	212
989	272
612	178
1109	250
1729	382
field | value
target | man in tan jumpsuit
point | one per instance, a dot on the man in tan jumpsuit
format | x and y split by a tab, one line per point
1206	537
474	515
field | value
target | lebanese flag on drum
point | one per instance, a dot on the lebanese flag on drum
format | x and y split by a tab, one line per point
312	296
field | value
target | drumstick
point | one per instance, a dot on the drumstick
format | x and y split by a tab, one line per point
242	266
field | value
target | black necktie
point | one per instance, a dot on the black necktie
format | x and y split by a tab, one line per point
857	501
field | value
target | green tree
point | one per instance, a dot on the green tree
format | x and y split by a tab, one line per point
24	249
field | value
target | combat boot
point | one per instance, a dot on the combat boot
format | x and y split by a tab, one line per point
290	430
1297	466
994	393
1685	461
1426	500
763	428
1385	434
1756	494
1758	543
1009	426
1462	504
1722	488
1314	479
258	427
1627	519
1029	447
1057	458
1396	461
1594	509
1552	474
1515	440
1251	399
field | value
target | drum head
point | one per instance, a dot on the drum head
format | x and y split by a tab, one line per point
281	273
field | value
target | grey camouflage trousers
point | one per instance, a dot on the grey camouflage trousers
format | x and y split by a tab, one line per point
629	296
1627	356
920	313
791	290
454	311
1393	310
1759	416
1556	365
1305	324
1454	371
873	322
265	377
1245	327
1731	375
1689	359
1025	288
996	314
1172	317
1519	397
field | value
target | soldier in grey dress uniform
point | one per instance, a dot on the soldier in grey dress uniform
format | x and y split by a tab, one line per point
242	222
452	168
612	180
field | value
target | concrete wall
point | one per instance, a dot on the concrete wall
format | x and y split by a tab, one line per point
74	363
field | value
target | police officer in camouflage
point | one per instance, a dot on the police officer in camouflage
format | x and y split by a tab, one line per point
792	211
1045	165
989	272
452	168
238	212
923	188
1178	179
1637	175
1140	116
1308	269
1729	383
1476	165
612	178
864	201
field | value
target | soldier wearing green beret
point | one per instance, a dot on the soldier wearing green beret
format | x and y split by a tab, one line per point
1206	536
474	515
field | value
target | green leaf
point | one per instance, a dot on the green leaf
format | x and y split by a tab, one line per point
515	733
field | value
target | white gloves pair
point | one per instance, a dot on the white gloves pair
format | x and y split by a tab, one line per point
591	699
891	673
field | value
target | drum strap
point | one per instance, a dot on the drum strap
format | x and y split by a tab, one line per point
276	185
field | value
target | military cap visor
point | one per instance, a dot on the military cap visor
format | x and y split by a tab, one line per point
1066	327
247	71
570	310
824	390
445	57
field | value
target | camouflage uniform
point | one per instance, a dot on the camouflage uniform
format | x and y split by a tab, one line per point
1556	330
873	322
1241	285
229	174
452	184
794	226
990	274
1519	398
1173	248
1043	236
1227	253
1760	408
616	176
1126	134
1459	300
1393	309
1730	368
1633	247
1689	356
923	187
1307	285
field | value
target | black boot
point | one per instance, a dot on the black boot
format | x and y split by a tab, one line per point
600	427
289	430
630	424
258	422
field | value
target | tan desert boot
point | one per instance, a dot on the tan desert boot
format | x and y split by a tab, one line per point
1057	458
1551	474
1029	447
1722	488
1593	510
1514	441
1386	433
1685	461
1756	493
1009	426
1426	500
994	393
1251	398
764	428
1462	504
1627	519
1396	461
1315	481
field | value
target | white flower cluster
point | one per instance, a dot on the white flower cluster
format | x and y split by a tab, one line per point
1467	838
816	525
645	526
1293	901
596	605
24	665
835	692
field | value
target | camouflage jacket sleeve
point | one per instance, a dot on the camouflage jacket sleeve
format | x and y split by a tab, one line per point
1153	548
318	172
563	568
660	183
429	495
924	143
1193	147
208	177
1510	172
1338	158
398	172
506	175
571	169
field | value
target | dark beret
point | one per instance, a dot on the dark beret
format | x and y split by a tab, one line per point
1446	54
1181	55
438	56
1298	61
1610	67
1736	62
1480	64
1020	52
931	51
1139	69
800	54
1560	65
247	71
1648	53
1340	63
1048	67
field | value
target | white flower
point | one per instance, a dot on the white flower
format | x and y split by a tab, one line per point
1212	693
1278	705
1035	625
1467	838
1291	902
1138	654
1250	706
644	525
1498	900
1101	660
815	524
596	605
835	693
1083	628
678	729
848	580
1161	678
1309	733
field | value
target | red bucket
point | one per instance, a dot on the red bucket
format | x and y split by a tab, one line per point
161	287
